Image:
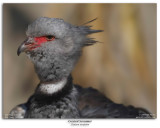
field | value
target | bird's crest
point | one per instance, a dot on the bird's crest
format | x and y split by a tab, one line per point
87	30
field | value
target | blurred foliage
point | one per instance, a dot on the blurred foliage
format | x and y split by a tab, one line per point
123	66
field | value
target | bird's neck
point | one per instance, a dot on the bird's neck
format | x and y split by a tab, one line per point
50	68
55	89
54	104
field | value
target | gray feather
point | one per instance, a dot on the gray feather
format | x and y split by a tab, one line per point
55	60
18	112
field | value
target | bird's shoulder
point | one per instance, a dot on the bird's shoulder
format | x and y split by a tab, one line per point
18	112
93	104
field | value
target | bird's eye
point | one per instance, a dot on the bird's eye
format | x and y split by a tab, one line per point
50	38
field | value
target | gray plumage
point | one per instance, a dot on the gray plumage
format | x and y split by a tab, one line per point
64	106
54	61
18	112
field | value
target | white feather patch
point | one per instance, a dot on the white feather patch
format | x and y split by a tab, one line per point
52	88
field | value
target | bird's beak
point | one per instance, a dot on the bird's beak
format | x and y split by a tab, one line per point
21	49
24	46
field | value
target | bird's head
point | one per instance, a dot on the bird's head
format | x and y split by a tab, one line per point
54	46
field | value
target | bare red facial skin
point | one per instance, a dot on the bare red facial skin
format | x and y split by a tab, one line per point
39	41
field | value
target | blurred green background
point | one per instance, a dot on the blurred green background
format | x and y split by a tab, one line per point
123	66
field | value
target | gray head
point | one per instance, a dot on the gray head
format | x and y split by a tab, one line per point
54	46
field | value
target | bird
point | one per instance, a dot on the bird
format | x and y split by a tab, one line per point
54	46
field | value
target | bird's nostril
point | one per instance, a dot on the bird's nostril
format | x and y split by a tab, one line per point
28	43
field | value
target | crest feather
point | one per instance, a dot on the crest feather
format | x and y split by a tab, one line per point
87	30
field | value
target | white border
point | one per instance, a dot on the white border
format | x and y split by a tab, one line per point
148	123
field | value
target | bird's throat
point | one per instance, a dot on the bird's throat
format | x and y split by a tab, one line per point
61	87
52	87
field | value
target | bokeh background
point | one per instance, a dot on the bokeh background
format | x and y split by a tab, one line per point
122	66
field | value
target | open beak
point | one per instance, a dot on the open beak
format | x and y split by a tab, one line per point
24	46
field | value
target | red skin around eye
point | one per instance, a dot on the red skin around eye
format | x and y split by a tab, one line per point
38	42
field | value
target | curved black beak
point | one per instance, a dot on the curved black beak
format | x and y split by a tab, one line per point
23	47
